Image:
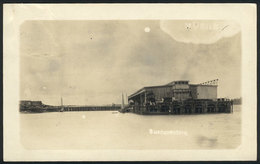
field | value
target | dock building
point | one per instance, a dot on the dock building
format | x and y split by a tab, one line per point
179	97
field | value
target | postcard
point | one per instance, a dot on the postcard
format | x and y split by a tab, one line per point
129	82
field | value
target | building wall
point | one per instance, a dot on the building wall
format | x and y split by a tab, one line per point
36	103
181	91
25	102
177	91
30	102
193	89
180	86
182	94
206	92
160	92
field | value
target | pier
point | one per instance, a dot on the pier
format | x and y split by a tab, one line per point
38	107
179	97
185	107
91	108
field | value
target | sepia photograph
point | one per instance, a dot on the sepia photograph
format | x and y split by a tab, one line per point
87	75
130	85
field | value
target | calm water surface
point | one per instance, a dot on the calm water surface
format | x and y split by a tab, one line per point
114	130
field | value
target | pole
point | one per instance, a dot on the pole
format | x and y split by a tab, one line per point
123	104
126	98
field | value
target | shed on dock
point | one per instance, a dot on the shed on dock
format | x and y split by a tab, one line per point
175	90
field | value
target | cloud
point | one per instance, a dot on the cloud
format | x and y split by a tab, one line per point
199	31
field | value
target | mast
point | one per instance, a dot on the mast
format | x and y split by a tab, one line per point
123	104
61	101
126	99
61	105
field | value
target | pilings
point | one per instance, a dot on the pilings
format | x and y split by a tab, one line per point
92	108
186	107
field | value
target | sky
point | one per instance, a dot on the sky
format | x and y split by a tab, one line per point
94	62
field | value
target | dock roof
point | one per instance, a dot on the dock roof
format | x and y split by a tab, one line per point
166	85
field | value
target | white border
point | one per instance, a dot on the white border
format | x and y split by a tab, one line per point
16	14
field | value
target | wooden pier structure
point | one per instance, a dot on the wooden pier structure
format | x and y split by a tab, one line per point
179	97
38	107
91	108
185	107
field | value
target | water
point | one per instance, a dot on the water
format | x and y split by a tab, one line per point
114	130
